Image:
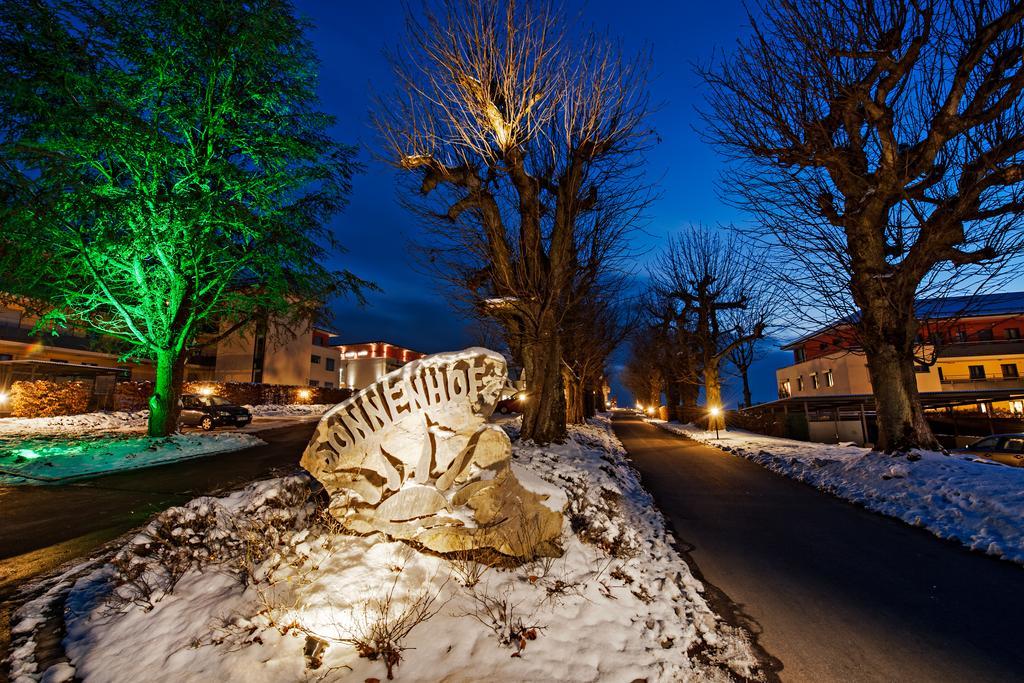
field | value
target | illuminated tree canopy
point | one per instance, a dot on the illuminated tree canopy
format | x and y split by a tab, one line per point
165	170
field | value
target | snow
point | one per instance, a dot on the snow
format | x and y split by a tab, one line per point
119	421
260	585
976	502
289	410
74	424
42	460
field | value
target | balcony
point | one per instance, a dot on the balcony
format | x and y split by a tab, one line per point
967	383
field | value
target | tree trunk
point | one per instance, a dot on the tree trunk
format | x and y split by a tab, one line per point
713	396
574	397
747	400
901	422
887	331
163	404
544	417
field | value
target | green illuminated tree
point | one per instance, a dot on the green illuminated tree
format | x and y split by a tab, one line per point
164	171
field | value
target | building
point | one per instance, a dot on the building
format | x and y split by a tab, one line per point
975	357
299	356
362	364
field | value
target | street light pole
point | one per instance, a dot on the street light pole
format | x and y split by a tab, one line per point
715	412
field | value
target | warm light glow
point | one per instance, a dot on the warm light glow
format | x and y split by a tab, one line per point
305	394
715	411
206	391
522	396
650	410
3	397
640	407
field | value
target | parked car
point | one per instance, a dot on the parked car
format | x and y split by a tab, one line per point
208	412
1005	448
512	404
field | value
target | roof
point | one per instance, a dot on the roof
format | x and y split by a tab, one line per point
929	399
335	341
1000	303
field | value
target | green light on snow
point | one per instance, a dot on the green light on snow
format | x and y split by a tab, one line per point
27	453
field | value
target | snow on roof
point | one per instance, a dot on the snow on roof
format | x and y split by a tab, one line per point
1001	303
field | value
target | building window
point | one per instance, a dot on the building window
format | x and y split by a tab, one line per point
941	378
1010	371
922	369
800	383
936	339
329	363
784	391
984	335
976	371
822	346
829	380
799	355
329	385
814	380
314	383
1013	333
961	335
6	356
314	359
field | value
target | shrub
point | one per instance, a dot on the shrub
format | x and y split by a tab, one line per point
46	398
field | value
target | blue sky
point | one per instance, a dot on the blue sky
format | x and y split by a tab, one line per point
351	37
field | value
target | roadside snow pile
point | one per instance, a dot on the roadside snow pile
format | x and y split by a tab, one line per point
980	504
49	460
288	410
261	585
77	424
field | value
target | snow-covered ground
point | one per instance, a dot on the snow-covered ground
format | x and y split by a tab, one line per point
260	585
119	421
288	410
976	502
42	460
74	424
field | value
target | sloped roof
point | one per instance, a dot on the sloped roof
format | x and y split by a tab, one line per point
1000	303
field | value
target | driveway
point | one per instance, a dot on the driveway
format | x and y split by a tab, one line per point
834	592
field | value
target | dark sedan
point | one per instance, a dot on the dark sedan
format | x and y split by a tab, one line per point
512	404
1005	448
208	412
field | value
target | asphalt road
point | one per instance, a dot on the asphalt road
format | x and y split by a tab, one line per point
834	592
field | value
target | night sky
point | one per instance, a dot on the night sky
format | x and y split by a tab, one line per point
351	37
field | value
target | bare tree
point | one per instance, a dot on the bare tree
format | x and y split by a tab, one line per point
880	145
597	327
760	310
642	374
669	326
525	142
712	276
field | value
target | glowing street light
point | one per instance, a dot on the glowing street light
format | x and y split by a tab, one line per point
3	397
305	394
206	391
715	411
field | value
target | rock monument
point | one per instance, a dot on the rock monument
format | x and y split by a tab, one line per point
412	456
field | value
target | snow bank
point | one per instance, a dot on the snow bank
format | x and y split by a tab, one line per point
978	503
119	421
261	586
73	424
50	460
293	409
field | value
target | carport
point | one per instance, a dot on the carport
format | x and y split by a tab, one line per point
103	380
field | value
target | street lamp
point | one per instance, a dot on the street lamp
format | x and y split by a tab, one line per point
715	411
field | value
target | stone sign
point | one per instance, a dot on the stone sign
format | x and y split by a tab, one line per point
412	456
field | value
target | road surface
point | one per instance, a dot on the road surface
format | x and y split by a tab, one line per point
834	592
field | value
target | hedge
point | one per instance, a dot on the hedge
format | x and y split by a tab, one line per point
45	398
135	395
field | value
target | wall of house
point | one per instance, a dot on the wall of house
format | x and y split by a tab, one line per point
69	347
